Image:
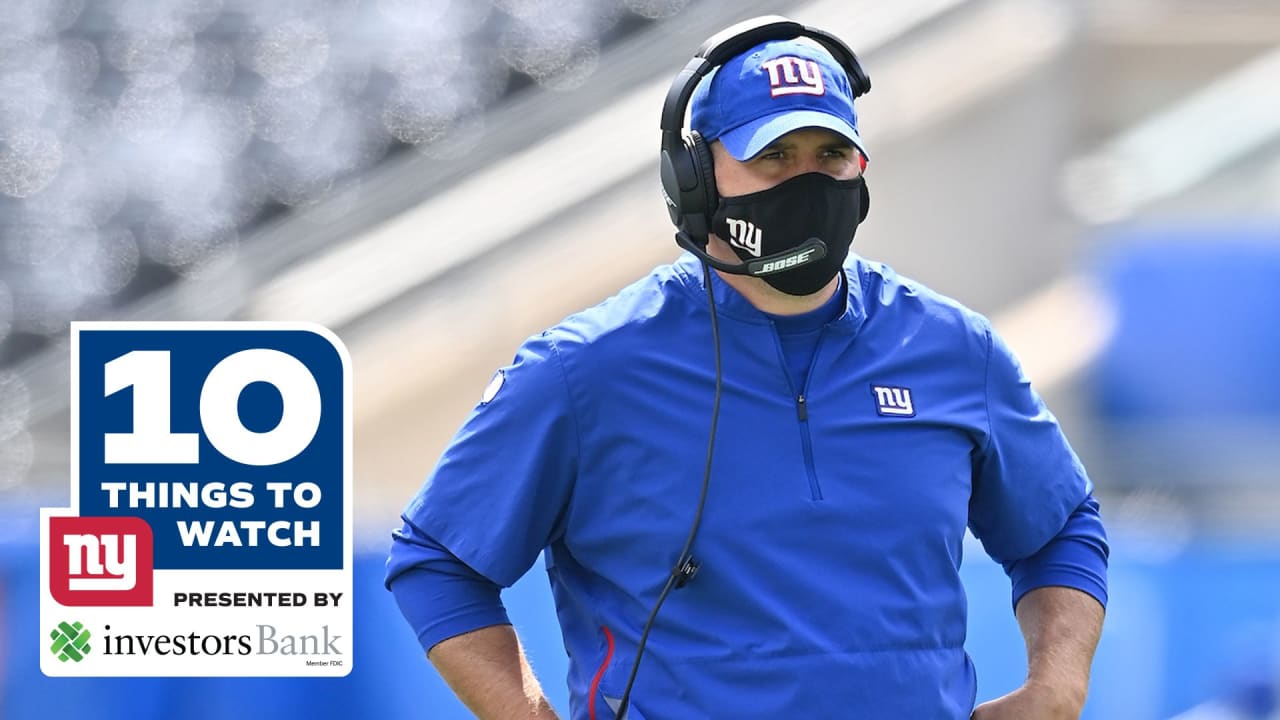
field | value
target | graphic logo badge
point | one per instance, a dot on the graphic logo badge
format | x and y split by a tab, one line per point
211	495
745	235
893	401
70	641
100	561
794	76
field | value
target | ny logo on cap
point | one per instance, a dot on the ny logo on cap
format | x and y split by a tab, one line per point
794	76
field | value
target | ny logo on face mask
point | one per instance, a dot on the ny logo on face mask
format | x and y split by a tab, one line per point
745	235
791	76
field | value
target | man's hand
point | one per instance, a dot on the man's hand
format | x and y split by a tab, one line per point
1031	702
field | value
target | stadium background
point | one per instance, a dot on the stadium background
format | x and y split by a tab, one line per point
437	180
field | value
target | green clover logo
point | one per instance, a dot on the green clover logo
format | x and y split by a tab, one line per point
70	641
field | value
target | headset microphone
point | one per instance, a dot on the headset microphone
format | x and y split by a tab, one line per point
811	250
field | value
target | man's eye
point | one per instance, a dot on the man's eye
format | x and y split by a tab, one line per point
775	155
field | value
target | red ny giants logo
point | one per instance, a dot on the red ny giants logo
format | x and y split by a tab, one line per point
100	561
792	75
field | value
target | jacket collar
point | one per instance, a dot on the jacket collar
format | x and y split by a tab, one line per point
731	303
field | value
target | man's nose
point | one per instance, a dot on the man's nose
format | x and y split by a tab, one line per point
809	165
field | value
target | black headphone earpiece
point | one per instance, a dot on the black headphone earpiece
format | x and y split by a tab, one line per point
689	185
705	167
684	172
685	166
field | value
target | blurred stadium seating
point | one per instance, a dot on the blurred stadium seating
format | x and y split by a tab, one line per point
437	180
145	141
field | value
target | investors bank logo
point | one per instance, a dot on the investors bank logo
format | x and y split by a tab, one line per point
211	491
70	641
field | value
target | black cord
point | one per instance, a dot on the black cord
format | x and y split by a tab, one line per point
685	566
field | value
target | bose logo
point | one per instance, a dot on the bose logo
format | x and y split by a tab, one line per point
745	235
799	258
667	197
791	76
893	401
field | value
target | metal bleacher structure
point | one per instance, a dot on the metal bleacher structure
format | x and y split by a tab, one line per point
1039	160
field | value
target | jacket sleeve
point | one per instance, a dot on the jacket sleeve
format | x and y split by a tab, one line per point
498	495
436	592
1076	558
1027	480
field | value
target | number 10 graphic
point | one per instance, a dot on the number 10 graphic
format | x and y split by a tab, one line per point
152	440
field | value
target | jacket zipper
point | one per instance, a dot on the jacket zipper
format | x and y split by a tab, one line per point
802	409
815	490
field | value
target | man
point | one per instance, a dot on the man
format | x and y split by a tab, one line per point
862	423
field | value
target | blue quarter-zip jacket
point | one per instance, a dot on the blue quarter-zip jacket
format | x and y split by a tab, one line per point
832	536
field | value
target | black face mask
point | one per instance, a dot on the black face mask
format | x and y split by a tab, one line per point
813	205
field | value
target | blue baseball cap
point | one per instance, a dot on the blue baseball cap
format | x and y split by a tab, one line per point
770	90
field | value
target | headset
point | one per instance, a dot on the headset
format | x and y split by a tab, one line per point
688	178
689	187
